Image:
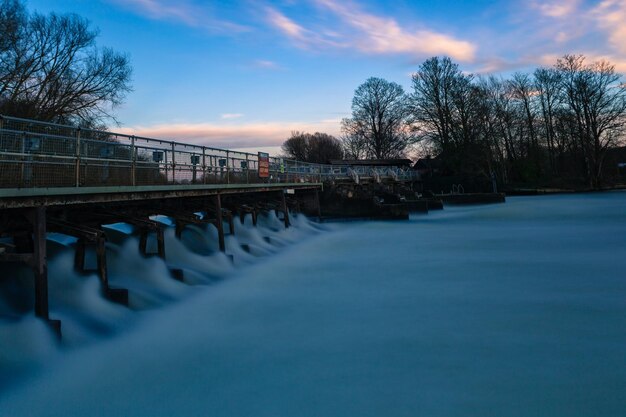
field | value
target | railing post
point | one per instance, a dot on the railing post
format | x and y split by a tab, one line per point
247	169
203	165
173	164
133	158
297	172
167	180
227	168
23	164
77	169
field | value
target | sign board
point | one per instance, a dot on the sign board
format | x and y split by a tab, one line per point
264	165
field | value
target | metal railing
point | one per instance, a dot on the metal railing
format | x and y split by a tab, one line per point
38	154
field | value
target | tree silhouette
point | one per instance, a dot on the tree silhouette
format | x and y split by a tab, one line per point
378	127
51	69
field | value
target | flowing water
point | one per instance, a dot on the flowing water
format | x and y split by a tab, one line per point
517	309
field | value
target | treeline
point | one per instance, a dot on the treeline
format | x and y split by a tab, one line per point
52	70
554	125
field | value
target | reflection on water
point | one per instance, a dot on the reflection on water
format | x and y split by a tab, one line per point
506	310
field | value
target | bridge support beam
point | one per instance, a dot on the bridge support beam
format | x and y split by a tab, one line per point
219	223
245	209
96	238
37	217
319	205
39	263
285	209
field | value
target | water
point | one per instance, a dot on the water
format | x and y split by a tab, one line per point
505	310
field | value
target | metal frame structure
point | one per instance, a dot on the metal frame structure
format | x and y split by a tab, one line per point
37	154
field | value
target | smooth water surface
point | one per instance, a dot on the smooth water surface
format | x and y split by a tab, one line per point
516	309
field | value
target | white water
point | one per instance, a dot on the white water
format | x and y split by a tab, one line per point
506	310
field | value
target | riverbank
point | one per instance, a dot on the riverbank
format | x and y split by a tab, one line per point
549	191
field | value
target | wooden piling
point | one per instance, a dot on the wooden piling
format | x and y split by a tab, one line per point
284	208
219	223
319	205
79	256
160	242
37	216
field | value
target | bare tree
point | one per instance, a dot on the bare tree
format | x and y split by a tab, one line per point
597	100
296	147
431	104
547	84
316	148
51	69
379	120
354	146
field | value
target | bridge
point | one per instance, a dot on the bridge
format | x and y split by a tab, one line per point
58	178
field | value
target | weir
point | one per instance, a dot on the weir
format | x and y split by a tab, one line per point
73	181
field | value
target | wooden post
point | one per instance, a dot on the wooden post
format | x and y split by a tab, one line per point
40	265
179	229
231	224
79	256
143	242
285	210
160	242
101	257
319	205
219	223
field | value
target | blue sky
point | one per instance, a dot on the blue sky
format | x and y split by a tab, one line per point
244	74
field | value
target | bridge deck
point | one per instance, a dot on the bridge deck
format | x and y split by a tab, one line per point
56	196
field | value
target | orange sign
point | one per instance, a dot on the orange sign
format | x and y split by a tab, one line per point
264	165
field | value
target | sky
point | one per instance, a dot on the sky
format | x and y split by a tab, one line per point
245	74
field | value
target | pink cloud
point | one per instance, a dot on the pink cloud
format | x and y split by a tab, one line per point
556	8
232	136
611	17
371	34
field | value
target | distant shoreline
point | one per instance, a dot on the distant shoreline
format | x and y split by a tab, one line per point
550	191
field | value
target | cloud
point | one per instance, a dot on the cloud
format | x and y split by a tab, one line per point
231	116
232	136
611	18
181	11
267	65
556	8
302	37
370	34
286	25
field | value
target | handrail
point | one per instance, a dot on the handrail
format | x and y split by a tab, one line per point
97	157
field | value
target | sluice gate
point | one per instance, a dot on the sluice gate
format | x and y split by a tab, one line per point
73	181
